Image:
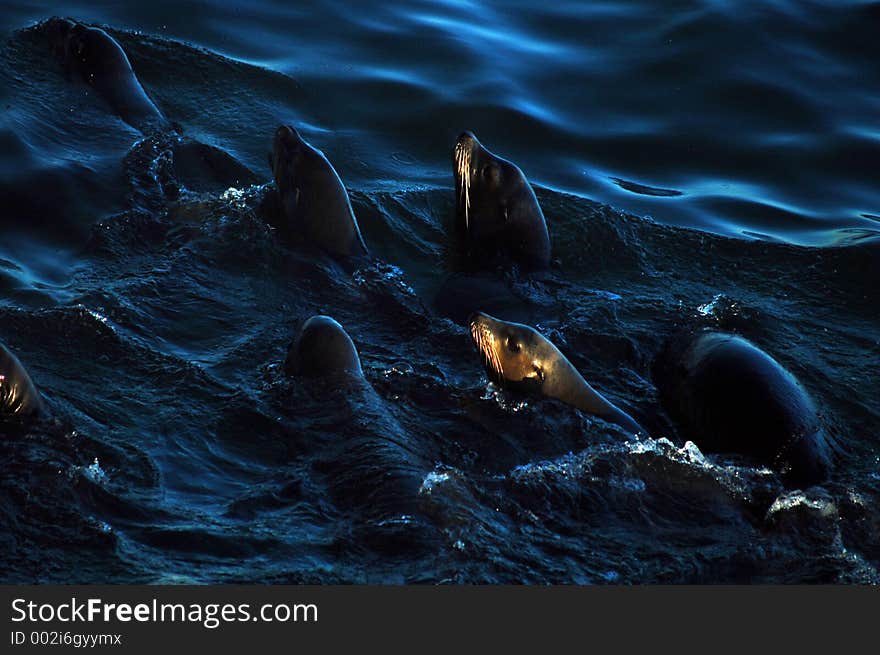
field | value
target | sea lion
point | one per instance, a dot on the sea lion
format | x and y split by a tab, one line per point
728	395
323	348
497	212
18	395
521	358
103	64
370	462
172	160
313	200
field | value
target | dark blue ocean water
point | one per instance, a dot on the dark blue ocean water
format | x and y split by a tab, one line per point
701	162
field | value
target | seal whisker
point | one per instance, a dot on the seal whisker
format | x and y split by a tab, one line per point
507	217
463	166
485	342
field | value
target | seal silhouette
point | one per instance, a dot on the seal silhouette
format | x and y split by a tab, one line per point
370	461
97	58
728	395
313	201
519	357
321	349
18	395
497	213
102	63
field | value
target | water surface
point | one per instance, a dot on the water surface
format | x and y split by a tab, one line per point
705	163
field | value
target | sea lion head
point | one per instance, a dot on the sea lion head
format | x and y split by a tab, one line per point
515	355
519	357
100	61
496	208
321	349
289	150
90	51
313	199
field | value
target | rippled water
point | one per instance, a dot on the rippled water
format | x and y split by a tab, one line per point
706	163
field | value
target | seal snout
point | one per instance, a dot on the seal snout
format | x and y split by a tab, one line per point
285	144
287	138
462	170
58	28
467	138
466	142
476	317
483	321
480	325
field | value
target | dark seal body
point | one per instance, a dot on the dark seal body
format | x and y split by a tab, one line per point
323	349
313	200
102	63
370	462
497	213
521	358
18	395
728	395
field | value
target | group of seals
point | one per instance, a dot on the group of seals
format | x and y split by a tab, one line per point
726	394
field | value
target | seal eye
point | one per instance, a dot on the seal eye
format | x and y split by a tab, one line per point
513	346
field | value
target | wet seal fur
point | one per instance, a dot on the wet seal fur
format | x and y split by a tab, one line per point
102	64
497	213
97	58
312	199
370	463
728	395
519	357
321	349
19	397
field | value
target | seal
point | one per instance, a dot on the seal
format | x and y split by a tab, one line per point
519	357
18	395
497	213
313	200
370	463
102	63
323	349
728	395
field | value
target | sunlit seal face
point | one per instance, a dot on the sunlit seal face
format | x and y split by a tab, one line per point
515	355
313	198
519	357
321	349
496	209
18	395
